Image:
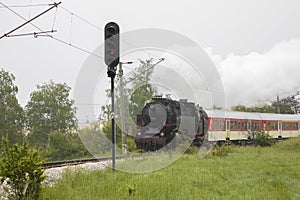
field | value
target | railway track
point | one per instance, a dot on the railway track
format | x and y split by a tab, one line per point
54	164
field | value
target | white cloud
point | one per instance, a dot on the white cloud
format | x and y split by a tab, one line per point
254	77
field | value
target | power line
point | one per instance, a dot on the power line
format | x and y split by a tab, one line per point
81	18
27	21
57	39
35	34
26	6
98	27
46	34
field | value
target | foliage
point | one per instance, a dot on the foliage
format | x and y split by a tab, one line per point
139	91
222	151
130	144
107	130
262	139
21	167
95	140
11	113
215	107
65	147
287	105
142	91
192	150
49	110
265	108
274	174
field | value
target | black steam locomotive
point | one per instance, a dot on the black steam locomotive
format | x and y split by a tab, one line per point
163	119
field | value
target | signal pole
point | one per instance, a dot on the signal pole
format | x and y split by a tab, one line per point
113	126
112	57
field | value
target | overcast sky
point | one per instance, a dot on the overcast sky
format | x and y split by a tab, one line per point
255	44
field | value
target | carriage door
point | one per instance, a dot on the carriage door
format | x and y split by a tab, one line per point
279	129
249	129
227	128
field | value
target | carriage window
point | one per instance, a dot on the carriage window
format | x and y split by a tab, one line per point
221	125
269	126
243	126
218	125
292	126
295	126
285	126
231	125
239	125
274	126
254	126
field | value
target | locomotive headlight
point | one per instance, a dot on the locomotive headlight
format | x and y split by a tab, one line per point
139	133
162	134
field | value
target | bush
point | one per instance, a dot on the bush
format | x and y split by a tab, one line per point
262	139
20	166
222	151
192	150
65	147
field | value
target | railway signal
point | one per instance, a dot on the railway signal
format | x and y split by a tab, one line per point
112	47
111	57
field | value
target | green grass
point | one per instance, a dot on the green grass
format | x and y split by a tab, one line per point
246	173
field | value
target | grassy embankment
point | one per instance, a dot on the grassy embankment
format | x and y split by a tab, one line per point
246	173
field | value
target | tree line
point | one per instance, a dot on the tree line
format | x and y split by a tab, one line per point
286	105
48	121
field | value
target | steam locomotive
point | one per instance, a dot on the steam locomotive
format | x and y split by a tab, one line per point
162	120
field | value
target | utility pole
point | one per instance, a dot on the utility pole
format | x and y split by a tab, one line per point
122	108
277	105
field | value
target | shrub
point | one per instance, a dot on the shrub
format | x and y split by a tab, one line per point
64	146
192	150
20	166
262	139
222	151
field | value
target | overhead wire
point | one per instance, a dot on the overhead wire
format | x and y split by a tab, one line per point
54	19
70	34
99	28
54	38
25	6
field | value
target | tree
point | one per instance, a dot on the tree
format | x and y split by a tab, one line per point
65	147
142	91
11	113
50	110
20	166
95	140
264	108
139	91
287	105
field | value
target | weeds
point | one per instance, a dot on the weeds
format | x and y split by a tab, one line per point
274	174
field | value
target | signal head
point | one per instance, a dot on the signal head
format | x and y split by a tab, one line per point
112	45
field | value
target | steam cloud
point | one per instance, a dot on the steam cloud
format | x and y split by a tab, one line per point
251	78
